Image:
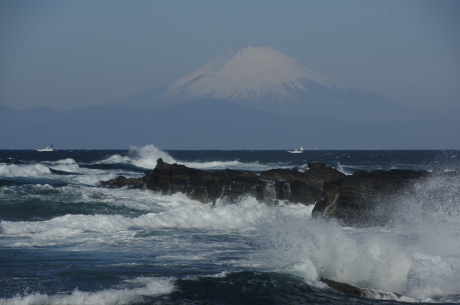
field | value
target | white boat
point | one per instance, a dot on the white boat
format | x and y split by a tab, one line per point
48	148
296	151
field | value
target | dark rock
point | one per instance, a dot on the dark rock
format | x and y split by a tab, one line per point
121	181
368	198
203	186
301	192
343	287
289	175
318	174
328	205
361	292
230	185
361	199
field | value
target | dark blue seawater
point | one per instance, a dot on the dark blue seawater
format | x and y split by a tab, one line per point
65	240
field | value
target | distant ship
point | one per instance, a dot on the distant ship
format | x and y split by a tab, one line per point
296	151
48	148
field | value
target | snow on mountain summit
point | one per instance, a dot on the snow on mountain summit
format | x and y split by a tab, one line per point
258	77
248	72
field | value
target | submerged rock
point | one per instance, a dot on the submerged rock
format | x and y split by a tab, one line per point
361	292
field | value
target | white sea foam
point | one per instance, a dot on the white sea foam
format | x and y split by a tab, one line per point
419	256
214	164
147	157
72	168
65	165
181	213
315	248
66	161
341	168
13	170
236	165
94	179
150	287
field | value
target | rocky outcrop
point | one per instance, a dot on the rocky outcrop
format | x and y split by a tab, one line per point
230	185
121	181
361	199
368	198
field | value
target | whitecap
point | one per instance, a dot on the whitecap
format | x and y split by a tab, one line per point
13	170
147	156
150	287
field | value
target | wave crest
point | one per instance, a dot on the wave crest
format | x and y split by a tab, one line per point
151	287
13	170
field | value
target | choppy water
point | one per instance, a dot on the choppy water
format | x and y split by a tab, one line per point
64	240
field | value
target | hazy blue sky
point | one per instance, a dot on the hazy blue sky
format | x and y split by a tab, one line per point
68	54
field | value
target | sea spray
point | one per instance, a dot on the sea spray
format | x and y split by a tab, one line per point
429	220
313	248
145	157
341	168
63	240
417	256
65	165
148	155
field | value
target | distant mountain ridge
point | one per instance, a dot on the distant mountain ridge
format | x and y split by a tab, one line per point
252	97
262	78
216	124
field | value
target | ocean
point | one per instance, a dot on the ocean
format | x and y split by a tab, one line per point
66	240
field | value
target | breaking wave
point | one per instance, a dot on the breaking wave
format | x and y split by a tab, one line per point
13	170
147	156
181	213
66	165
150	287
418	256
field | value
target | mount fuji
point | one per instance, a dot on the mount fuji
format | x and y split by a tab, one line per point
252	97
260	77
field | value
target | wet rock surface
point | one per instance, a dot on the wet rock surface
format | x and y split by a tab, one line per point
230	185
361	199
368	198
361	292
121	181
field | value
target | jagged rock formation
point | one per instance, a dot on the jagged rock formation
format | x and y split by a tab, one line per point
229	185
368	197
361	199
122	181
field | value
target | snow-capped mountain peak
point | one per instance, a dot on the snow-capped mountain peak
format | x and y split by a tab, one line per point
261	78
248	72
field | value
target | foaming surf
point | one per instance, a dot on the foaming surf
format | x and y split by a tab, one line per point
343	169
13	170
65	165
65	241
148	287
177	212
418	256
147	156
